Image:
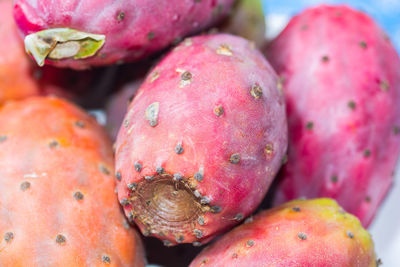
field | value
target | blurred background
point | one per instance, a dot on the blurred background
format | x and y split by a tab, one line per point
386	226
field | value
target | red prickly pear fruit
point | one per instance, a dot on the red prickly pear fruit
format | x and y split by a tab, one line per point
202	140
296	234
342	85
85	33
58	205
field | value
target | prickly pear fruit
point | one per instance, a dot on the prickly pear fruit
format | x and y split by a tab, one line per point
58	206
298	233
201	141
86	33
342	84
247	19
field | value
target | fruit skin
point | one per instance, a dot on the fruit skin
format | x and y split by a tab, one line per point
298	233
201	141
56	175
342	87
132	29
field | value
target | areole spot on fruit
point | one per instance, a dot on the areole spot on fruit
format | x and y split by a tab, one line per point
8	237
120	16
256	91
104	169
80	124
225	50
154	76
302	236
78	195
60	239
219	110
25	185
151	113
3	138
106	259
235	158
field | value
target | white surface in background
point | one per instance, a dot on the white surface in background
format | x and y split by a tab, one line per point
275	24
385	229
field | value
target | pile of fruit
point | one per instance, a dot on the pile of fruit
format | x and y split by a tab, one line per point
271	153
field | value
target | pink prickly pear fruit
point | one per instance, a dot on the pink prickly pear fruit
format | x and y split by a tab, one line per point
342	85
83	33
201	141
117	106
58	205
298	233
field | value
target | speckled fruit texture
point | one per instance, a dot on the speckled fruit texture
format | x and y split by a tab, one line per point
58	205
132	29
201	141
342	84
299	233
